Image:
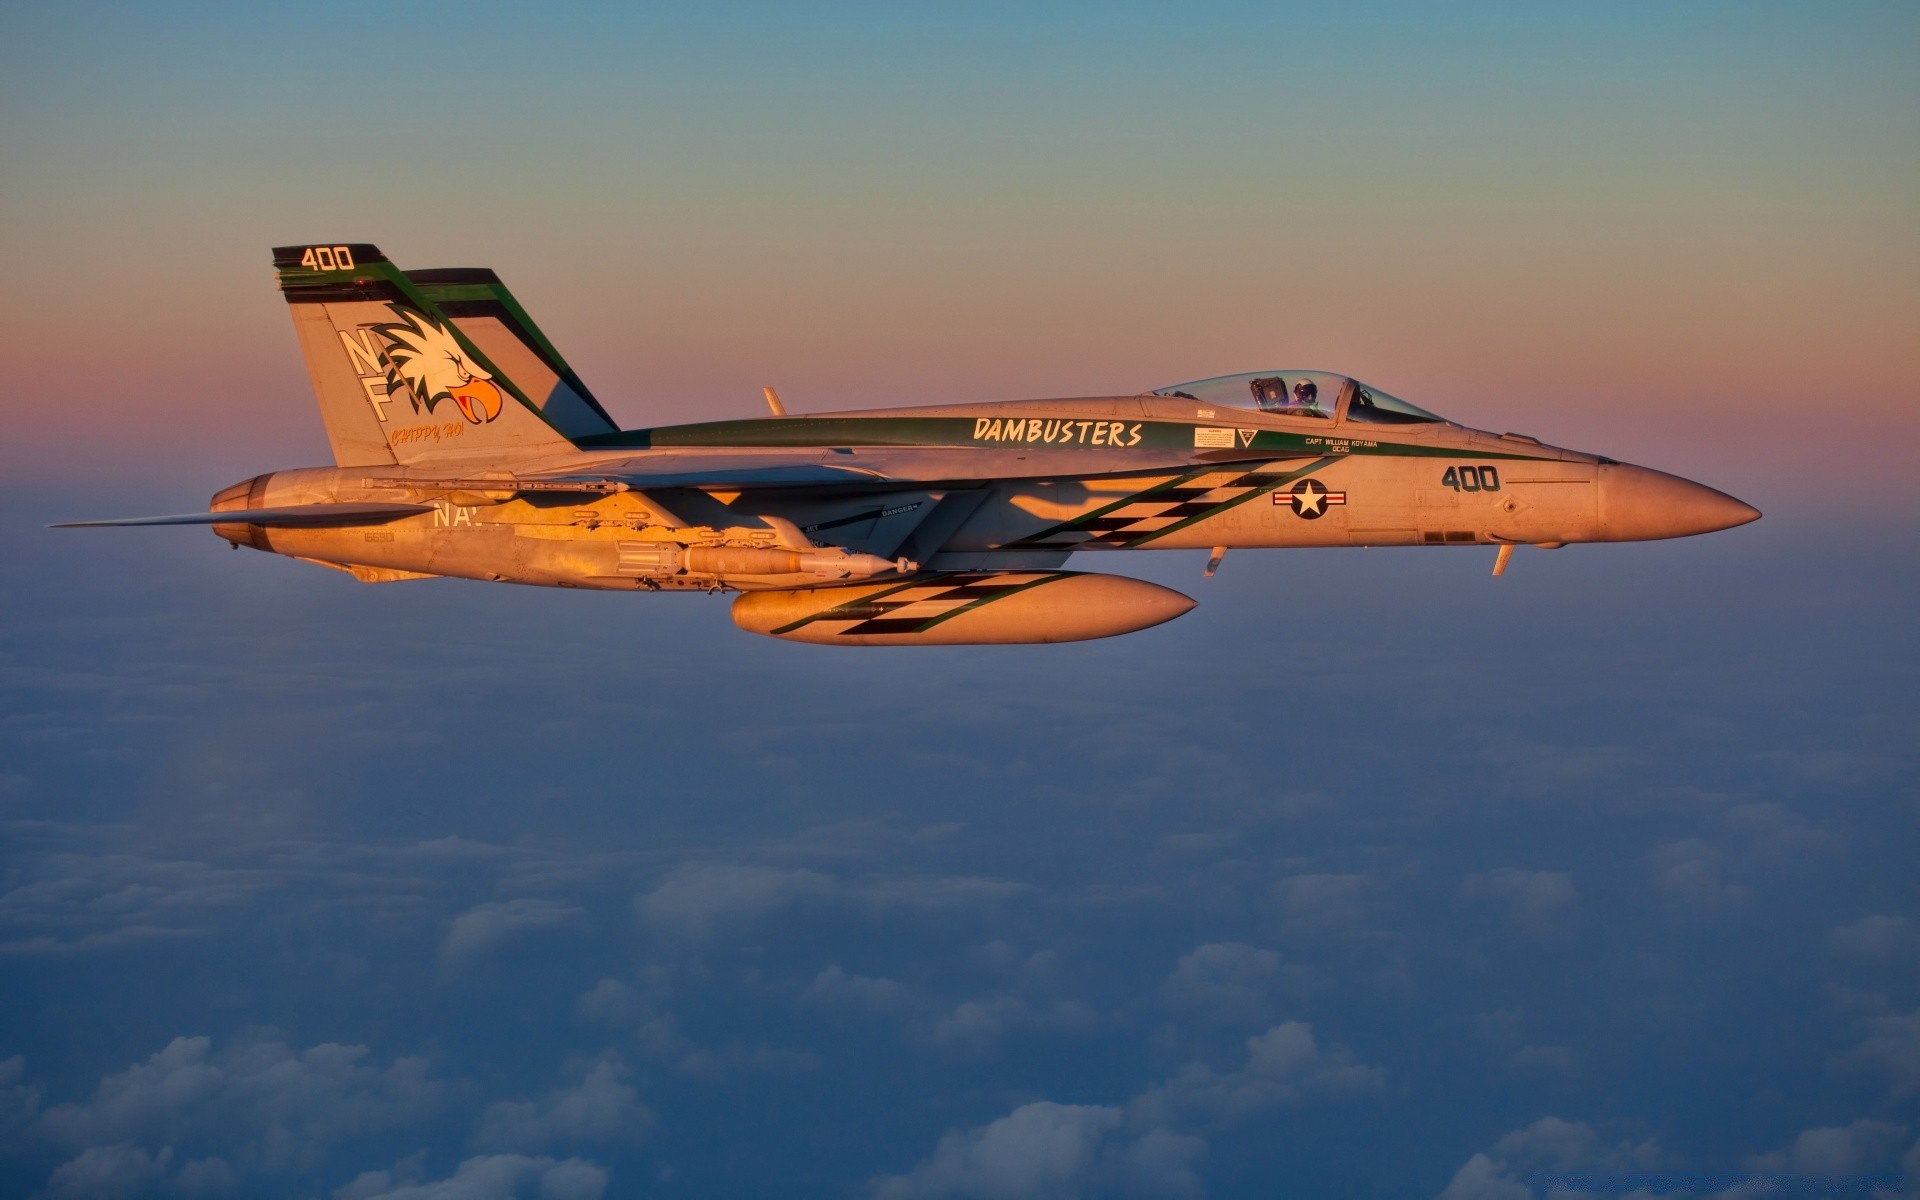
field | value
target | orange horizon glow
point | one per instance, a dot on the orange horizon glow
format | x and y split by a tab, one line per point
1674	250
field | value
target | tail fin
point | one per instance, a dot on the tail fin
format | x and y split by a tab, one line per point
486	312
400	380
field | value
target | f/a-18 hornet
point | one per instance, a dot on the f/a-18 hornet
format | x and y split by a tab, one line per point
464	446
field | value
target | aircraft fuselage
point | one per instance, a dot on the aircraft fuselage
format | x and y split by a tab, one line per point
1279	482
465	446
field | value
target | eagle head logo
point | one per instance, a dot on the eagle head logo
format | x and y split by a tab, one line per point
426	359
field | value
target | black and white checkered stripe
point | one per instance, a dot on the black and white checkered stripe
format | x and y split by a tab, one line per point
924	602
1160	510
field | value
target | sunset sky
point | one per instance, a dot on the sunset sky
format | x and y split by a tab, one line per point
1372	876
1670	232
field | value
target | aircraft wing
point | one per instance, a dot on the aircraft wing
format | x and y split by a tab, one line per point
299	514
800	466
740	468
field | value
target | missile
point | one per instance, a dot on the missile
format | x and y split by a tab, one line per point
771	565
755	560
962	608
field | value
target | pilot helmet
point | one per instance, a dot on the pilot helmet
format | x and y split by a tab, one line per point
1306	391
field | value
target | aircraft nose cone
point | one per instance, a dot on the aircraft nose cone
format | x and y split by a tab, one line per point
1638	504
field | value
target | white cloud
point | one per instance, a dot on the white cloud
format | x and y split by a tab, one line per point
974	1025
600	1108
1549	1146
487	926
937	891
1688	872
1325	902
1001	957
657	1034
834	988
1774	830
88	903
19	1100
1046	1149
410	1170
1481	1178
609	1002
1283	1066
123	937
711	1064
1506	1030
1890	1049
207	1177
655	1030
108	1172
1554	1144
1043	1150
696	898
977	1025
1856	1149
488	1177
282	1109
1224	982
1879	938
1535	902
1523	1164
456	849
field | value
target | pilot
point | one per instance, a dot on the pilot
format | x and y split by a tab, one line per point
1306	398
1269	393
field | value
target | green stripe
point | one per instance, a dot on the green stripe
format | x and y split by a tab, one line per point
869	598
973	604
1176	481
824	432
388	273
1129	498
1278	482
922	581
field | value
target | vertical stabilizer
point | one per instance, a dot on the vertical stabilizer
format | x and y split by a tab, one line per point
482	308
397	379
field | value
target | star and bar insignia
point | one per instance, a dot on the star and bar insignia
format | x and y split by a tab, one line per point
1310	499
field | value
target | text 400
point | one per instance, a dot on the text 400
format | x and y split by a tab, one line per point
327	258
1471	479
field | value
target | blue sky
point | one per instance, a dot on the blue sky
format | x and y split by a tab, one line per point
1372	876
1370	866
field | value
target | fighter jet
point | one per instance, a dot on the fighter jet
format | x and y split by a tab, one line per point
465	447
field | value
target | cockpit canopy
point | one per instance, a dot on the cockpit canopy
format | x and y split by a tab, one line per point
1317	394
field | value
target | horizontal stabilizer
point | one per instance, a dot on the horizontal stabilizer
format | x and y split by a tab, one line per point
299	514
